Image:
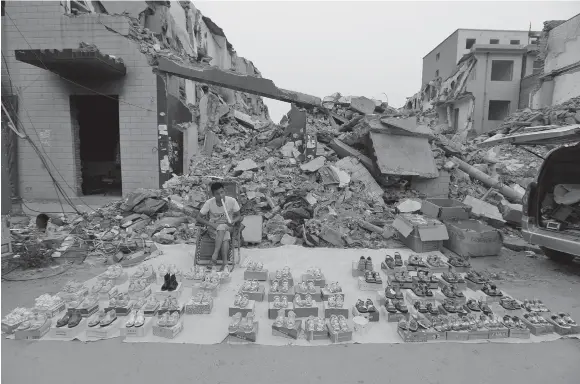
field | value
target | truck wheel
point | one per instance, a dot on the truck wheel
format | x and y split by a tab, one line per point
558	256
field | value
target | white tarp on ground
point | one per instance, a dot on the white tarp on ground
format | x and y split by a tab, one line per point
336	266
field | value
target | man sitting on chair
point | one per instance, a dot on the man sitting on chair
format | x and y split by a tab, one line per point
224	213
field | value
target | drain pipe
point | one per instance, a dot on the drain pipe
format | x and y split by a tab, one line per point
485	76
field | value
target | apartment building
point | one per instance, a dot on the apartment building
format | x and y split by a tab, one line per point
78	77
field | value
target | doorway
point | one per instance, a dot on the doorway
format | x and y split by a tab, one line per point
95	122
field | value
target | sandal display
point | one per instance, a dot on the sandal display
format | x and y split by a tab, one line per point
334	287
484	307
425	276
377	278
566	317
390	292
472	305
476	277
398	260
369	264
401	306
390	306
109	318
369	277
235	322
509	303
420	306
370	306
491	290
435	261
361	264
432	309
457	261
361	307
96	318
388	263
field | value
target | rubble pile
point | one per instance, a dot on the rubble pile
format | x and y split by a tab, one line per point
567	113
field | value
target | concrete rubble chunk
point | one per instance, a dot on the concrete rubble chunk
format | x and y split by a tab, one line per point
314	165
332	236
343	150
359	173
288	240
362	104
484	210
511	213
406	126
409	206
246	165
244	119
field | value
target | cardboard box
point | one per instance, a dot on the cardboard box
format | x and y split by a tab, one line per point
317	293
325	293
138	331
272	277
289	295
289	333
245	336
317	335
140	294
167	332
107	332
306	311
33	335
273	312
338	337
411	298
317	282
458	335
432	285
54	311
256	275
85	312
443	209
371	316
257	295
499	333
480	334
538	330
66	332
559	329
472	238
519	333
364	286
75	296
328	312
162	295
412	337
199	309
244	311
421	234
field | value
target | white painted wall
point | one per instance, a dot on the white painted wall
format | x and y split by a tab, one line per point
483	37
563	45
566	87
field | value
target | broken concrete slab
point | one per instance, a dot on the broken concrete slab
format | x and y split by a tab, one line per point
252	232
404	155
288	240
517	244
407	126
409	206
512	213
246	165
314	165
332	236
343	150
484	210
358	172
362	104
244	119
236	81
343	177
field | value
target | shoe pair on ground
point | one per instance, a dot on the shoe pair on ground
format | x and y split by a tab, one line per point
393	293
365	306
242	324
510	303
280	286
452	277
535	305
85	303
426	276
426	307
307	302
338	324
414	324
476	277
478	306
143	272
373	277
458	261
435	261
564	320
241	301
104	286
254	266
308	287
280	302
113	271
395	305
491	290
170	304
167	319
451	306
32	322
417	261
283	273
422	290
392	262
120	301
452	291
365	264
72	286
138	285
170	283
334	287
102	318
250	286
46	302
135	319
335	301
286	322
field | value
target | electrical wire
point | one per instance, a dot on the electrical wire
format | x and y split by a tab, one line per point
71	81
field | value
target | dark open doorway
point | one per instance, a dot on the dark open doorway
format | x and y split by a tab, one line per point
95	121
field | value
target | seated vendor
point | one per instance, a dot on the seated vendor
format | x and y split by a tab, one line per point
224	213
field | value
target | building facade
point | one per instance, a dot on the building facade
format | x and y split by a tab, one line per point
81	79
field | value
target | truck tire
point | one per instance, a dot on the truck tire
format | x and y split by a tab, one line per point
558	256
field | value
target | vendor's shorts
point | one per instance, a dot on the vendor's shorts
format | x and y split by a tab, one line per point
221	227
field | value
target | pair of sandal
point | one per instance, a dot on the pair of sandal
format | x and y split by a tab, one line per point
391	293
403	277
204	298
457	261
564	320
241	301
451	291
170	304
425	276
336	301
280	303
365	307
307	302
112	272
33	322
120	301
281	287
476	277
513	322
452	277
338	324
452	307
254	266
423	307
413	324
314	324
103	286
491	290
535	319
478	306
422	290
394	306
135	319
435	261
72	286
241	324
45	302
283	273
168	320
417	261
143	271
510	303
535	306
138	285
102	318
365	264
315	272
373	277
392	262
151	304
308	287
285	322
334	287
251	286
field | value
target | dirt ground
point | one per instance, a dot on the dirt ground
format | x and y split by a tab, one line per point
525	277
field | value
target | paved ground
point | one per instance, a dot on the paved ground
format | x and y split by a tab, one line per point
113	361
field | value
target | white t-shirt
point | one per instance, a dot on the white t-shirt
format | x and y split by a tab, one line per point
217	214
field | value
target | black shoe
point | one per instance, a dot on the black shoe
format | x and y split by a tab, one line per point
167	284
173	284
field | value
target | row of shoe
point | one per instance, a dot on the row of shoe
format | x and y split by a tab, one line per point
417	261
476	277
365	264
138	285
392	262
286	322
280	303
373	277
452	306
365	306
452	277
170	304
104	286
491	290
334	287
426	307
254	266
250	286
564	320
458	261
435	261
422	290
426	276
32	322
242	324
143	272
513	322
308	287
112	272
280	286
315	272
535	305
45	302
452	291
535	318
395	305
283	273
242	301
335	301
393	293
510	303
403	277
102	318
195	273
307	302
122	300
170	283
70	319
314	324
167	319
210	281
16	316
203	298
338	324
478	306
87	302
414	324
172	269
73	286
136	318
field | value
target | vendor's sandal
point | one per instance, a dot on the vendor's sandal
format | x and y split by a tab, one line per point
369	277
448	292
369	264
403	324
377	278
506	302
370	306
398	294
456	291
398	260
484	308
413	326
109	318
472	305
432	309
427	291
96	318
139	319
390	262
417	289
420	306
401	306
390	307
424	323
460	311
449	306
361	307
567	318
234	324
560	321
389	292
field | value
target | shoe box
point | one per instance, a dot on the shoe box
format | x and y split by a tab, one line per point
66	332
256	275
167	332
499	333
272	277
273	312
251	307
479	334
199	309
85	312
316	294
325	294
138	331
461	286
340	337
54	311
328	311
256	295
121	311
161	295
315	335
320	282
517	333
355	271
411	298
538	330
111	330
34	334
364	286
559	329
458	335
289	295
371	316
241	336
289	333
392	317
306	311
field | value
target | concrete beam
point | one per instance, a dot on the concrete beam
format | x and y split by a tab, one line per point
239	82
